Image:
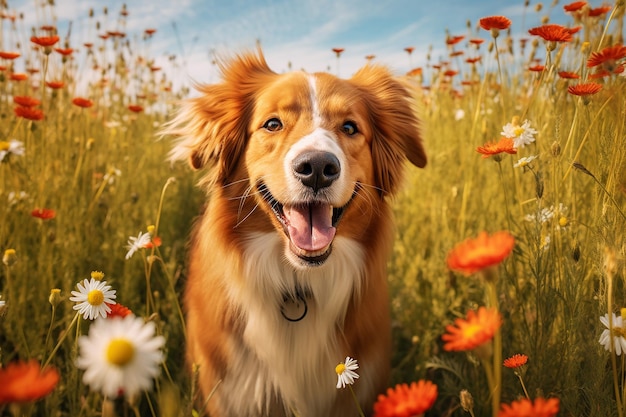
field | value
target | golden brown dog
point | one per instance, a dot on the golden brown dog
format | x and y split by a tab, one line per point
287	272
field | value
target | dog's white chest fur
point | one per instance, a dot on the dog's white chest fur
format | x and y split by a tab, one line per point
291	363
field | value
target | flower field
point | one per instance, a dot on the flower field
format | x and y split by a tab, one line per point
508	276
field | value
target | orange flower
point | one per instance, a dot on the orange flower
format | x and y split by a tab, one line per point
29	113
536	68
568	75
414	72
584	89
118	310
406	400
477	329
453	40
25	381
44	40
26	101
55	85
491	148
19	76
525	407
338	51
82	102
136	108
64	51
484	251
608	58
575	6
9	55
599	11
43	213
473	60
154	242
552	33
409	49
150	32
516	361
495	22
450	73
476	41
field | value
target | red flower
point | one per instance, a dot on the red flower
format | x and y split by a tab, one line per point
568	75
406	400
477	329
19	76
43	213
136	108
599	11
491	148
516	361
25	381
409	49
453	40
29	113
118	310
473	60
525	407
473	255
26	101
476	41
495	22
64	51
608	58
575	6
55	85
44	40
584	89
154	242
82	102
150	32
552	33
9	55
450	73
338	51
536	68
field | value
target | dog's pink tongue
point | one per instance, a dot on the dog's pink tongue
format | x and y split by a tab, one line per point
310	226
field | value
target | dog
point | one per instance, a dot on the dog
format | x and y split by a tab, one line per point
287	263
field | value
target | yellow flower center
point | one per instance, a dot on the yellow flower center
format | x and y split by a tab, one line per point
95	297
563	221
120	352
518	131
340	369
4	146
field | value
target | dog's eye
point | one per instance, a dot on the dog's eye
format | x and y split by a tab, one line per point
273	125
349	128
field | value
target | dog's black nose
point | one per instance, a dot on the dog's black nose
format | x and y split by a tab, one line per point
316	169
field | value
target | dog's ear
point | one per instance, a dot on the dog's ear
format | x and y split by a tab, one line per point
395	125
212	128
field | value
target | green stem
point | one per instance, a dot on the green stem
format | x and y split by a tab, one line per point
58	345
356	401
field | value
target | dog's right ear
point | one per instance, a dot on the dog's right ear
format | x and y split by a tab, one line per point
212	129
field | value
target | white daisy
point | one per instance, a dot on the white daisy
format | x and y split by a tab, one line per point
136	243
614	334
522	135
525	161
346	372
92	298
120	356
13	147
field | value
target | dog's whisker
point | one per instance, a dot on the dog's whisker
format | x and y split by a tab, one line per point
247	215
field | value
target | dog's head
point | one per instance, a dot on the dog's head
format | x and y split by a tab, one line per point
305	145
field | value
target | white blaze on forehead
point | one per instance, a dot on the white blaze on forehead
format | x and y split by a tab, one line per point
315	109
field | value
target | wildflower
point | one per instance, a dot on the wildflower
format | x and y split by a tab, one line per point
453	40
406	400
467	401
346	372
64	51
29	113
26	381
599	11
82	102
540	407
13	147
111	174
536	68
477	329
552	33
584	89
575	6
484	251
55	297
155	242
55	85
608	58
516	361
9	258
409	49
495	22
9	55
135	108
18	76
26	101
45	41
568	75
136	243
150	32
118	310
613	337
120	356
338	51
525	161
544	215
43	213
491	148
522	135
93	298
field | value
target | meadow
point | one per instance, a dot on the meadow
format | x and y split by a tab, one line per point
526	138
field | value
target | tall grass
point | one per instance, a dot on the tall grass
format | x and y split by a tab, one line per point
103	173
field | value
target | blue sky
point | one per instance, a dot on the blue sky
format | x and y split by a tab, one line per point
297	32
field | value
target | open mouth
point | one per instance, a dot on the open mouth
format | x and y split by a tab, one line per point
310	226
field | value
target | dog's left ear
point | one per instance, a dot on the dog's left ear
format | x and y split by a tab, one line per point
395	125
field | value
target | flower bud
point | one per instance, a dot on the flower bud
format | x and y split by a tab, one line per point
55	297
9	257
